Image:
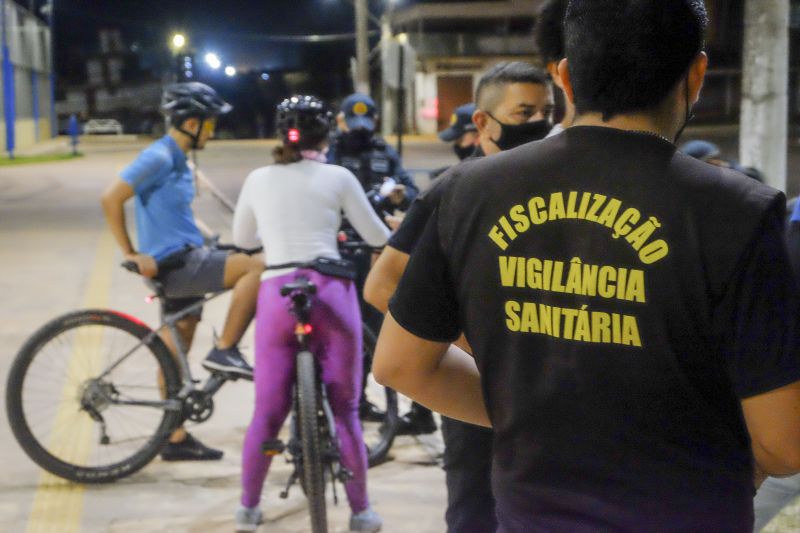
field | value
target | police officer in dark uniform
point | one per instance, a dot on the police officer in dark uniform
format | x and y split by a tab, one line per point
356	147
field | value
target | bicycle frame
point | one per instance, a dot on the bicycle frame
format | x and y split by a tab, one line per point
169	321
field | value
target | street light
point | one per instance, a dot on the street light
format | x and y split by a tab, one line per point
230	71
178	41
213	61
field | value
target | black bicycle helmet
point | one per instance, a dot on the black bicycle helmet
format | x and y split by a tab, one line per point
192	99
303	121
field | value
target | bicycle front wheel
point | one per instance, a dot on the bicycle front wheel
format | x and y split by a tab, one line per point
85	396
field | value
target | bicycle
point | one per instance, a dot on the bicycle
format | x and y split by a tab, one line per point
313	446
112	393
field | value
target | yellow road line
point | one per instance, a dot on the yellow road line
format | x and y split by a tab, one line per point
58	505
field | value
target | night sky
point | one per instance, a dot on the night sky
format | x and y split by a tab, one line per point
242	32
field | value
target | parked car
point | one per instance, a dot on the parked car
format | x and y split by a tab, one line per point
101	126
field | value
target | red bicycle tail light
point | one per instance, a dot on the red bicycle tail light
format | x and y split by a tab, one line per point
293	135
308	329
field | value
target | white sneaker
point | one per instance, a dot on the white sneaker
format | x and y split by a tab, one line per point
366	521
248	519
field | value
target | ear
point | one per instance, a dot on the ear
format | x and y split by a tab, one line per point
697	74
552	69
191	125
340	122
480	119
566	83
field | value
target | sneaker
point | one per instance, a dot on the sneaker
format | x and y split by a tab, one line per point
367	520
189	449
248	519
229	360
417	422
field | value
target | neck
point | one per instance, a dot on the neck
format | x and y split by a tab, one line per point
183	141
569	116
633	122
488	147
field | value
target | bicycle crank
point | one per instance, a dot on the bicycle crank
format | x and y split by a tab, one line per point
198	406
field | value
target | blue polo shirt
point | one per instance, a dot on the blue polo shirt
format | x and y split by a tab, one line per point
164	188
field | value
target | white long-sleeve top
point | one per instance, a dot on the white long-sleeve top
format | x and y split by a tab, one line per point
294	211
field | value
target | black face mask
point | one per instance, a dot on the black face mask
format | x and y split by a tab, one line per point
356	140
463	152
513	135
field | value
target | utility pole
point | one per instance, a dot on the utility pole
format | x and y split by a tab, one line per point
362	47
765	86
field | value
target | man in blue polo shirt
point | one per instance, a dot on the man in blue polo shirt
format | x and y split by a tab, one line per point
171	244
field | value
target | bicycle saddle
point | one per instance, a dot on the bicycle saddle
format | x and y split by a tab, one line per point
154	284
300	284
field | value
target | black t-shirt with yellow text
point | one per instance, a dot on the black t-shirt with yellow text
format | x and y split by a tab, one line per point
621	299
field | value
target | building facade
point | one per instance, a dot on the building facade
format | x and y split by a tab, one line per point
455	42
26	83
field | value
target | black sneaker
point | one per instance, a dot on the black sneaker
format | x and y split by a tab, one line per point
416	423
229	360
189	449
369	412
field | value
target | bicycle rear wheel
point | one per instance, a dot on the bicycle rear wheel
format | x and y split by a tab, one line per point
79	417
309	413
378	434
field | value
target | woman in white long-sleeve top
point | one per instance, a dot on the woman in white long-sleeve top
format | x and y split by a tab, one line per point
294	208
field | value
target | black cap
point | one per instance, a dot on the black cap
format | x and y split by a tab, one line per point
460	123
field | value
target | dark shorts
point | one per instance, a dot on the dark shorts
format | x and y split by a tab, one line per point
202	271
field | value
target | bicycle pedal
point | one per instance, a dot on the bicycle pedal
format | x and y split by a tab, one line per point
272	448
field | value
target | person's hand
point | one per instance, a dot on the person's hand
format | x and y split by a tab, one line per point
398	195
394	221
145	263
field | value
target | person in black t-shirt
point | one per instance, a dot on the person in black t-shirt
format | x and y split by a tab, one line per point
517	95
463	135
631	310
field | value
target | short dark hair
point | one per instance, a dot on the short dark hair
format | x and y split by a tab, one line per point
506	73
549	33
627	55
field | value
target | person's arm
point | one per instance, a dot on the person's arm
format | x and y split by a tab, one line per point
113	202
773	421
762	344
437	375
402	177
245	226
383	278
360	214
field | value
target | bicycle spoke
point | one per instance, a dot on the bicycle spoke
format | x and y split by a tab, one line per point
68	364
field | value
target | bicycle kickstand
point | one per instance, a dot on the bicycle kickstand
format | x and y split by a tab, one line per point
292	480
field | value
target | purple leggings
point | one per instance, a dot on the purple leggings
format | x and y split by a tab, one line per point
336	341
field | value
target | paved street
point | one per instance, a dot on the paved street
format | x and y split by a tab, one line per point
55	256
52	242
